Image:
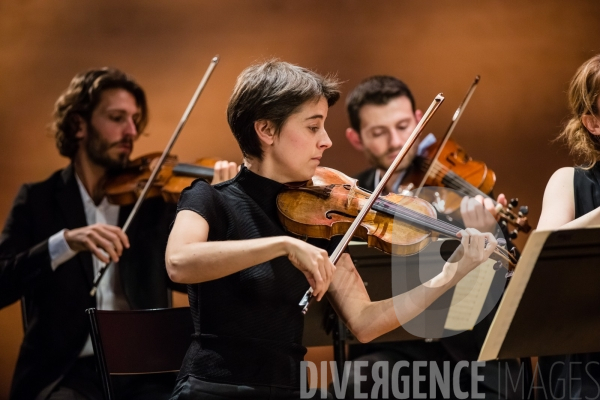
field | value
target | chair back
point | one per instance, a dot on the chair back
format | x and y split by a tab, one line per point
139	341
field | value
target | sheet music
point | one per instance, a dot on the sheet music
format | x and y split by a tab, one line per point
469	297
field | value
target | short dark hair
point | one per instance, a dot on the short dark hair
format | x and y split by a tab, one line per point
377	90
273	91
81	98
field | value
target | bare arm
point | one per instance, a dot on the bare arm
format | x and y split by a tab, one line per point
558	209
191	259
368	320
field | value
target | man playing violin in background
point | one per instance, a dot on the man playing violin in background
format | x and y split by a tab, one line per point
62	230
382	115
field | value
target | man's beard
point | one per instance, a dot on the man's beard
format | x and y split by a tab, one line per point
97	150
383	164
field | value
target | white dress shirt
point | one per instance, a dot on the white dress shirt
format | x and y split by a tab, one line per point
110	295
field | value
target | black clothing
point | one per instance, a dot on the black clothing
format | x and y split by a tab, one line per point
586	190
248	324
191	387
55	301
575	376
366	179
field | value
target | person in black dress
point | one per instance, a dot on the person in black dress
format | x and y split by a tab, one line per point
571	201
246	275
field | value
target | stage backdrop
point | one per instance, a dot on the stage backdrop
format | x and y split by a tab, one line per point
525	52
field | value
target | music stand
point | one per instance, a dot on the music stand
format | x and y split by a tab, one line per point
552	304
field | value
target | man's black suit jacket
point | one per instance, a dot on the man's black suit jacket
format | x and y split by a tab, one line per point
366	179
55	301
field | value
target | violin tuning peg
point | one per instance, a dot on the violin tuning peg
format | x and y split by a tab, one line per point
499	208
503	223
513	202
513	234
524	210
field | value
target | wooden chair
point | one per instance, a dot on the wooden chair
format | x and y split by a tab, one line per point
139	342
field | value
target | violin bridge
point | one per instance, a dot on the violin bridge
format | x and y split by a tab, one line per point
351	195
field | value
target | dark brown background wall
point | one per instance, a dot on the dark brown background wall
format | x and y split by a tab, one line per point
525	51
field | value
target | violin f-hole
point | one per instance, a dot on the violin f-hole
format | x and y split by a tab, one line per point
329	213
450	160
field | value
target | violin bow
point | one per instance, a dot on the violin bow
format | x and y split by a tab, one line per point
161	160
508	215
449	131
337	253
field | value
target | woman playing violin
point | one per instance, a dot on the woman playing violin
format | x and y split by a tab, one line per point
572	200
246	275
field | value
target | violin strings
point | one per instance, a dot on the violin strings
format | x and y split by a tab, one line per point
446	225
410	215
430	222
459	183
414	216
418	217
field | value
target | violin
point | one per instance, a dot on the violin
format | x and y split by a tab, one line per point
446	164
125	186
456	170
396	224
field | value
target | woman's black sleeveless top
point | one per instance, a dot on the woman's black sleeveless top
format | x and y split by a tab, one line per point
586	186
575	376
248	325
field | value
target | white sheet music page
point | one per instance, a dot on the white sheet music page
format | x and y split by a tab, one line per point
469	296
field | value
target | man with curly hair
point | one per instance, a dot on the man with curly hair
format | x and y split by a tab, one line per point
62	230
